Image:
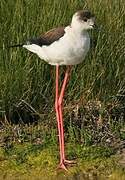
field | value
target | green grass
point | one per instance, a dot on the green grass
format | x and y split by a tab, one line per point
31	161
32	152
24	76
94	108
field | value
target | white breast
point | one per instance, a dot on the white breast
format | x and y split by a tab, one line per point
68	50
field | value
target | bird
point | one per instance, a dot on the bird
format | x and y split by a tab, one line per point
68	46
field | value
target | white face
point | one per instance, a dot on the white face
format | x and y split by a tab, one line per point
83	21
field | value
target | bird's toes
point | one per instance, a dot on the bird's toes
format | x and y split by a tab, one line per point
62	166
69	162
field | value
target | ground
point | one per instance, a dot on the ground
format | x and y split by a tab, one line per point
33	161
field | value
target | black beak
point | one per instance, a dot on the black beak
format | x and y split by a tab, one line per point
95	26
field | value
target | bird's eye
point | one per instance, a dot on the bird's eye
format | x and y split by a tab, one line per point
85	19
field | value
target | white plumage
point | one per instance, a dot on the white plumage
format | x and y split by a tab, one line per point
71	48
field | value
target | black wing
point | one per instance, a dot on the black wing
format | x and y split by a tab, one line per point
49	37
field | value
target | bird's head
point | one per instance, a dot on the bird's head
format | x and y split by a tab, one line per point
83	20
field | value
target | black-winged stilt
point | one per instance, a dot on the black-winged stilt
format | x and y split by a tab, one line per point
63	46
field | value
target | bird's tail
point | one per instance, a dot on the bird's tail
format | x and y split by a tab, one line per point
15	45
11	46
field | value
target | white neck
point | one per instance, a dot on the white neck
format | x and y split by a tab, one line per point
77	26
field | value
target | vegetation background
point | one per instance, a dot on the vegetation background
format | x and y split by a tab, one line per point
95	99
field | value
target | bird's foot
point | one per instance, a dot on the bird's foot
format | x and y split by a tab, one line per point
69	162
62	166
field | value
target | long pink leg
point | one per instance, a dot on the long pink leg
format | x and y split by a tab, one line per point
62	165
60	113
60	109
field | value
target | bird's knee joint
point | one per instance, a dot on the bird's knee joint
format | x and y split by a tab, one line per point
59	102
56	105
